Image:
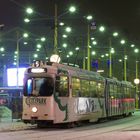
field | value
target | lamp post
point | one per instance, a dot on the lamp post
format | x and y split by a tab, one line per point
89	18
110	58
77	51
25	35
136	80
125	60
71	9
55	31
68	29
111	50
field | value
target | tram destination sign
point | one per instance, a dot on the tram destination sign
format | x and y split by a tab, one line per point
35	101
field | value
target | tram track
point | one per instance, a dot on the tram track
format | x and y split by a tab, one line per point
78	133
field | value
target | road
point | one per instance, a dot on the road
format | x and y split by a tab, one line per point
121	129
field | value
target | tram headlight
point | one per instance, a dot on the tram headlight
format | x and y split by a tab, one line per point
34	109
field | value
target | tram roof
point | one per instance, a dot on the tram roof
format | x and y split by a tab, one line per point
78	71
75	71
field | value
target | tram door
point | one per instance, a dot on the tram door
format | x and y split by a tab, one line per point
113	98
110	99
107	101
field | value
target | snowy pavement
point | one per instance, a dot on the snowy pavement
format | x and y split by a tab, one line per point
12	125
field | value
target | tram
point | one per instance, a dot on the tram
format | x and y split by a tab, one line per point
54	93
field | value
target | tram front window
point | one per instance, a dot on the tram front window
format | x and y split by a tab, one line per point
39	87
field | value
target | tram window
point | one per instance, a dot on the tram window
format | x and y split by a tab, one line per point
85	88
38	82
93	89
100	89
119	92
125	92
128	92
76	92
28	88
62	86
45	86
132	92
115	91
111	88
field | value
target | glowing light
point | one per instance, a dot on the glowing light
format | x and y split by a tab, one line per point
29	10
37	70
72	9
34	109
55	58
12	76
136	81
89	17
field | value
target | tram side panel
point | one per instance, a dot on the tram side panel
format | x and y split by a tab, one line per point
79	101
129	98
87	100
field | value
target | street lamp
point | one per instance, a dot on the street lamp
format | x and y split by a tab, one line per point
72	9
77	52
25	35
136	80
89	18
29	10
125	60
111	50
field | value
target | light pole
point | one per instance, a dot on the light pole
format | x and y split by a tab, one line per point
136	80
89	18
125	60
55	31
111	50
110	58
25	35
77	52
71	9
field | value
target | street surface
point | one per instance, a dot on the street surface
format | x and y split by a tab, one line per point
121	129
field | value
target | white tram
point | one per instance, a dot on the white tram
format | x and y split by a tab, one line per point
56	93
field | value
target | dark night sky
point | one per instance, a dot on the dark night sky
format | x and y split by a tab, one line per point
122	14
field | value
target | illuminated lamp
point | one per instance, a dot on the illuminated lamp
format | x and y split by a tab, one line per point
55	58
34	109
136	81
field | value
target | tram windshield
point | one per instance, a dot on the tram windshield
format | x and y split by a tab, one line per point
39	87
